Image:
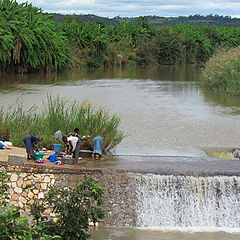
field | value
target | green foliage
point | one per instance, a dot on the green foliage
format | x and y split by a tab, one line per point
213	20
164	48
74	208
13	226
30	39
100	44
60	114
3	190
222	73
186	43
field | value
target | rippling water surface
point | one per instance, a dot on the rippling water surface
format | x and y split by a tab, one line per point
111	233
163	111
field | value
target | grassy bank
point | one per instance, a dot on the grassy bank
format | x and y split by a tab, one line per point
59	114
222	73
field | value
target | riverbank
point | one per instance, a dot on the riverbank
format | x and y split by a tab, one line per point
19	154
144	164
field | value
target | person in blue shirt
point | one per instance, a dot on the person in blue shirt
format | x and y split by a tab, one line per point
30	143
98	146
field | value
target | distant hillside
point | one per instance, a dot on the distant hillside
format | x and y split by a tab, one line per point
157	21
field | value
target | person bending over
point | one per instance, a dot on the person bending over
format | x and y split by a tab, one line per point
30	142
73	146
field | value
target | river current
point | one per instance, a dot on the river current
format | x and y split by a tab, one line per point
163	110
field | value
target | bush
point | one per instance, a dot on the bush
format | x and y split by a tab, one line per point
222	72
164	48
74	208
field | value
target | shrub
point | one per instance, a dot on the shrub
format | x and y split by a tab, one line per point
164	48
222	72
73	209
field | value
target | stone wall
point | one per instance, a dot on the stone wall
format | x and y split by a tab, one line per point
29	182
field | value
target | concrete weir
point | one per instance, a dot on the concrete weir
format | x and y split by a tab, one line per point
142	191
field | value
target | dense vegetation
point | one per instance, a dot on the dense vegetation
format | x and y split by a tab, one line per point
158	21
32	41
222	72
29	39
73	208
59	114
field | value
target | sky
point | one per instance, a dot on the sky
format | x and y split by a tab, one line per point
135	8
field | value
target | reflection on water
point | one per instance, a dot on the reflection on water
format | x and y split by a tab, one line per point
230	103
111	233
12	82
163	111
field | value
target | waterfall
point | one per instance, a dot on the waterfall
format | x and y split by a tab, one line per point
188	202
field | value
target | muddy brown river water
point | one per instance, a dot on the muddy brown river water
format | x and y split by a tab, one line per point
163	112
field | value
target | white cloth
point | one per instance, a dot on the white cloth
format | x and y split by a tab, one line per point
74	140
58	135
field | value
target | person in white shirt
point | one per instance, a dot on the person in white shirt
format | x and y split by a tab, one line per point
73	146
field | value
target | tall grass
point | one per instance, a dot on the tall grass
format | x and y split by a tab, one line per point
222	72
59	114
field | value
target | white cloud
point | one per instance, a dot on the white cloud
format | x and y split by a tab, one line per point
132	8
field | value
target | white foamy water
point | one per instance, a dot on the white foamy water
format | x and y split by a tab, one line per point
186	203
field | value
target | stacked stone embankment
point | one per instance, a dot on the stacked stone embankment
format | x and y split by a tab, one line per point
29	182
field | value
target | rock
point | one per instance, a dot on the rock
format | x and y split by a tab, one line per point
40	195
30	194
23	200
24	194
35	191
23	175
14	197
47	179
20	182
14	177
17	190
44	186
21	205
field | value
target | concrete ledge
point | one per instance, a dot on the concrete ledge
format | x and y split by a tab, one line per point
183	166
16	160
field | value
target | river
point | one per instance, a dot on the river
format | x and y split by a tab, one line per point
163	112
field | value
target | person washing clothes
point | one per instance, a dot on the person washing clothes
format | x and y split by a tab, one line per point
30	142
73	146
75	133
98	146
